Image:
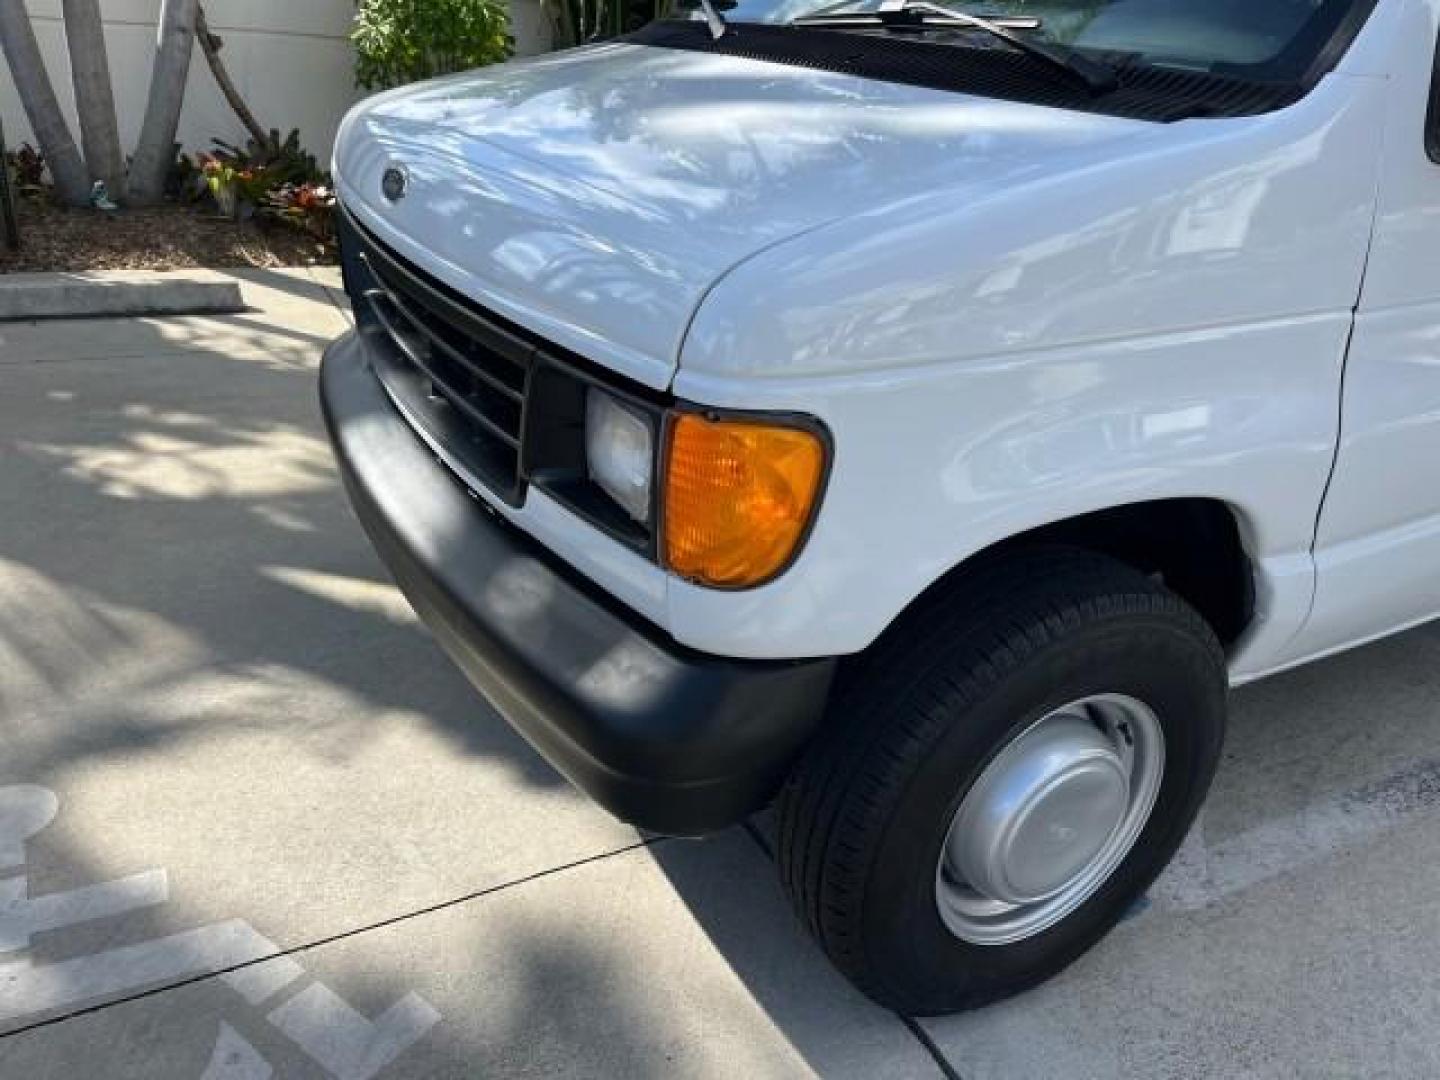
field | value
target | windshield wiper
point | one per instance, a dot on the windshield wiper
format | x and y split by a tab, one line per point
713	19
921	14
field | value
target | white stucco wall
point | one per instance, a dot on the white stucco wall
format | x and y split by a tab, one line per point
291	59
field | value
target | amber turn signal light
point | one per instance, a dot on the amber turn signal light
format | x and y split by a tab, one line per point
739	495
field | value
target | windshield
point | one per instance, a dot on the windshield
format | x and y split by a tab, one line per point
1261	39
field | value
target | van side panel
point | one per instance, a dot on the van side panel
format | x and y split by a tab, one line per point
1378	546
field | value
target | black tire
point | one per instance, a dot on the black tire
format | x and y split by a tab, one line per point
915	719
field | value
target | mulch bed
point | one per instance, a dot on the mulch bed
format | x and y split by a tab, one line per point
171	237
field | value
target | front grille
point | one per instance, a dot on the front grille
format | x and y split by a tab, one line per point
502	407
472	372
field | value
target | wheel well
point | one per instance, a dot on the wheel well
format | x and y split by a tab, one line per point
1192	545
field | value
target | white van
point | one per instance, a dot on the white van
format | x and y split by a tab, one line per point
919	413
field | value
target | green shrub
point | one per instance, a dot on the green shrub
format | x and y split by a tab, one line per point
403	41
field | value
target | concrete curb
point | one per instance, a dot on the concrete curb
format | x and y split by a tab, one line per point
26	297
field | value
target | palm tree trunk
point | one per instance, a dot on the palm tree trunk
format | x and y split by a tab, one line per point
155	150
562	26
17	37
94	99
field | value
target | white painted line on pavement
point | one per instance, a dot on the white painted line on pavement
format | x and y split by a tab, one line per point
343	1042
348	1045
25	809
235	1059
1205	873
27	988
260	981
22	916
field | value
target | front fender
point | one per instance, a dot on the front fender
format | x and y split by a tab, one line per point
934	466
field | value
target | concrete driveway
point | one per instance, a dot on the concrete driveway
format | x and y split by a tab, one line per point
252	823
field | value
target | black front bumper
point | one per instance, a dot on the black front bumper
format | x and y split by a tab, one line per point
667	738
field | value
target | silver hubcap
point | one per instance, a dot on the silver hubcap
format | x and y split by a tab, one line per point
1050	819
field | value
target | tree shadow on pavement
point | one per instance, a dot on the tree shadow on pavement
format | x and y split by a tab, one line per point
178	565
190	496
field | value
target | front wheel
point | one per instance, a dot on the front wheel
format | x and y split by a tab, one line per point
1001	777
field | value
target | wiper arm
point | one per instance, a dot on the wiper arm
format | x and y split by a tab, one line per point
713	19
837	14
1096	77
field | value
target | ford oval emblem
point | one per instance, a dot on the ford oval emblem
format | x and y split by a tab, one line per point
395	183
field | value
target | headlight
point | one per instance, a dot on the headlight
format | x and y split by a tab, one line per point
724	500
620	452
739	497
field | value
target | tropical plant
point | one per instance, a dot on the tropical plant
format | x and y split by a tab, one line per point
254	186
277	178
404	41
309	207
238	190
284	160
223	180
28	165
185	182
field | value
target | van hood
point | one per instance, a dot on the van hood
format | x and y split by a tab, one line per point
595	196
